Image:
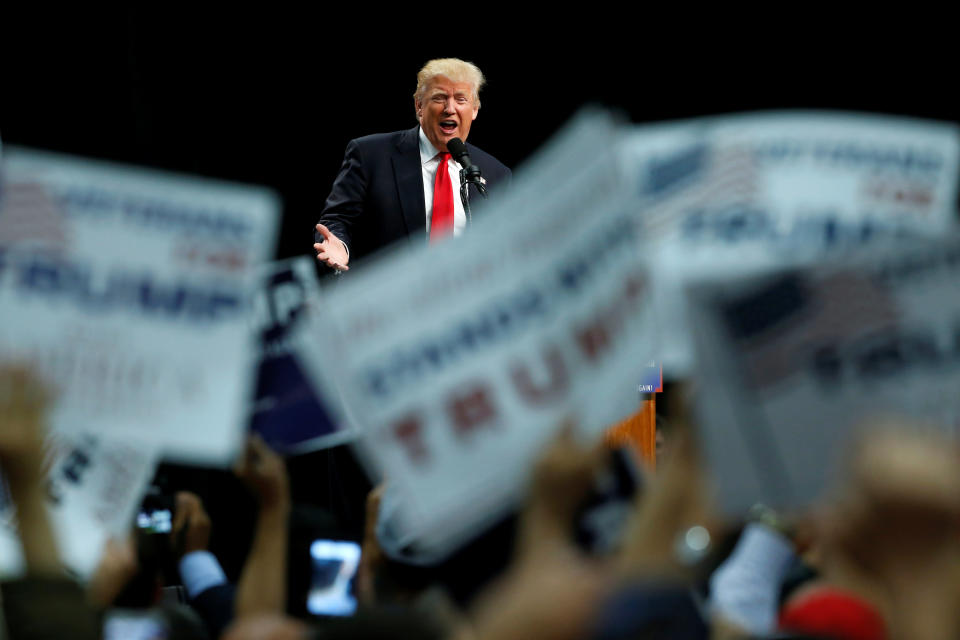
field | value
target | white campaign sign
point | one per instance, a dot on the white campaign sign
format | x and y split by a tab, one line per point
459	360
93	489
129	290
791	363
735	194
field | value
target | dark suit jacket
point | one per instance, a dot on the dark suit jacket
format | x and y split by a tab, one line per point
377	198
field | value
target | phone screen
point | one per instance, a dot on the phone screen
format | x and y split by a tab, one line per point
335	564
155	520
121	624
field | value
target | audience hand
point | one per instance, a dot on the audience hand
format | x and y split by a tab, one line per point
551	590
675	500
191	524
265	473
892	535
371	556
117	566
23	405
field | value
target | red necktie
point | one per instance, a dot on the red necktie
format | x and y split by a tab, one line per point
441	222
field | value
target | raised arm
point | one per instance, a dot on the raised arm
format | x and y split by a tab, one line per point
262	588
23	407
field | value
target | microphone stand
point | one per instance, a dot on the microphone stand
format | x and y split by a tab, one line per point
465	182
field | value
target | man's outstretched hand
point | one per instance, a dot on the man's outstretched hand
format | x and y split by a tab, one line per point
331	251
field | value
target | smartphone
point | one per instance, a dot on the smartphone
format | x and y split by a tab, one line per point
334	568
156	513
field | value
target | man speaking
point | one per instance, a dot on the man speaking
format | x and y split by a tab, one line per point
406	183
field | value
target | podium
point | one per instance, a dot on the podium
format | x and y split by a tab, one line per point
638	431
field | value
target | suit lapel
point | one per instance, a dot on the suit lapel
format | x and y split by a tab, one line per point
409	176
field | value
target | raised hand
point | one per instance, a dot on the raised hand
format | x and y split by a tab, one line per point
117	566
23	405
263	470
191	524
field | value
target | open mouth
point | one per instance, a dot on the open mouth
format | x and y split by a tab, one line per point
448	126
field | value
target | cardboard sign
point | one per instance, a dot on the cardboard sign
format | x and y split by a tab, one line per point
287	412
94	487
459	360
738	194
129	291
791	363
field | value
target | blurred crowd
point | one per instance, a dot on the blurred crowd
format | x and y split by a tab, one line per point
879	557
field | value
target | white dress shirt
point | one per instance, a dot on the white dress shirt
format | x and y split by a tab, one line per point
429	163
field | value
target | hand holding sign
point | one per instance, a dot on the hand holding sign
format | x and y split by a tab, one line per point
331	251
552	589
23	404
892	530
116	568
264	472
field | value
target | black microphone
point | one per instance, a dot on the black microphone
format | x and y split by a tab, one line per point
458	150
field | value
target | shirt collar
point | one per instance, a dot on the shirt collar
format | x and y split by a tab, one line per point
428	152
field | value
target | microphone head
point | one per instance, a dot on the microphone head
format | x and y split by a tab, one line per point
456	147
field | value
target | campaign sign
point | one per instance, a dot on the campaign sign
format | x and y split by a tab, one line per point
790	364
735	194
459	360
129	292
287	413
94	486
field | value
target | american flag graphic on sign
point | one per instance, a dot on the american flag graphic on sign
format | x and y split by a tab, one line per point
776	327
29	213
695	177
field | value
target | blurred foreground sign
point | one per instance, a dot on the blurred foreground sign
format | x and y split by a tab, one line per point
287	412
791	364
459	360
94	487
734	194
129	291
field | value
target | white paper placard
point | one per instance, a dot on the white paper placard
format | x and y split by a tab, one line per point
128	290
790	364
93	489
735	194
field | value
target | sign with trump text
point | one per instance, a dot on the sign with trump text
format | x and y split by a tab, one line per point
128	290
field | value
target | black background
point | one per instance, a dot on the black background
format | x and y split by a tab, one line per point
271	96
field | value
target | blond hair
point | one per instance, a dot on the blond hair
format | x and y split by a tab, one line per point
454	68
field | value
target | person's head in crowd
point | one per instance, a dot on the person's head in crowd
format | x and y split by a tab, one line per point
447	99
